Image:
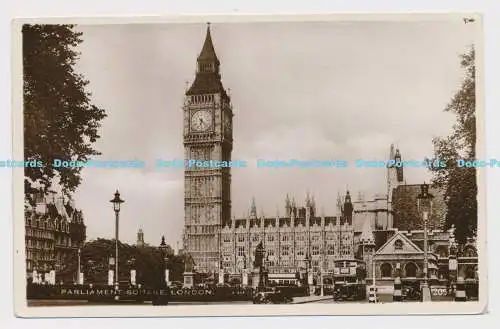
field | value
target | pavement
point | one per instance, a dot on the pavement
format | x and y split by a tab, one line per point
310	299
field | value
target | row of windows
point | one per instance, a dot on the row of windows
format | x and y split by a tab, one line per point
202	98
38	244
39	234
64	241
39	255
39	266
280	266
64	227
286	251
206	67
285	237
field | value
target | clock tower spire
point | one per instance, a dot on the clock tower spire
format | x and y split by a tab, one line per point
208	136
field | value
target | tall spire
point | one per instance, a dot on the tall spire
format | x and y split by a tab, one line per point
253	209
288	206
339	203
208	79
208	50
348	197
397	156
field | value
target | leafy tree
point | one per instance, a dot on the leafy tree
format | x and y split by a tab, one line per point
147	261
459	183
59	119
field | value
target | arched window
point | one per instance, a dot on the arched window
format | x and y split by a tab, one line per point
470	273
398	244
411	270
386	270
442	251
470	252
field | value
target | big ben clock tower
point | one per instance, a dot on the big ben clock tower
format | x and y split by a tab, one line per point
208	136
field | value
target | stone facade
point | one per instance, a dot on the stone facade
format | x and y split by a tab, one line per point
403	255
54	231
288	240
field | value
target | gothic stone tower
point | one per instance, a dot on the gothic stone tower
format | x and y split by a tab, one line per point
395	178
208	136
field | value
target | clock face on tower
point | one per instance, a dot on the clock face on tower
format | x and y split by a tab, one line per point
201	121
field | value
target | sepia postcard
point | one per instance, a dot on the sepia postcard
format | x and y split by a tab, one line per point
249	165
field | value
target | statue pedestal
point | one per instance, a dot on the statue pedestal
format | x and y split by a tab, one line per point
426	293
255	279
310	283
221	276
245	279
188	280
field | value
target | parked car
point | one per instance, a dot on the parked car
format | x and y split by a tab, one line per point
411	293
271	296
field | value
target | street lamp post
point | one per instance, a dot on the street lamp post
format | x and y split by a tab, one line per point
78	274
116	207
163	248
452	259
424	205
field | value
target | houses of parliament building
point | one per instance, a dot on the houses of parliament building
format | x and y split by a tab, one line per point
291	241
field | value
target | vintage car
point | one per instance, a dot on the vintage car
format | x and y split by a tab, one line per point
349	291
411	292
271	296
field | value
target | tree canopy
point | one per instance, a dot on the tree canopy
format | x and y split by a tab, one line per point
459	183
147	261
60	120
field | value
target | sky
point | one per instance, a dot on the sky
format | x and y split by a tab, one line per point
341	90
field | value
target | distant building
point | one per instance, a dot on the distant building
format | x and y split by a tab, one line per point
140	239
54	231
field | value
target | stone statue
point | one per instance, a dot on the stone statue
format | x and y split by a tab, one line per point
188	264
259	256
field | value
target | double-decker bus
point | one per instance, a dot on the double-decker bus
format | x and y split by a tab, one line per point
349	280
